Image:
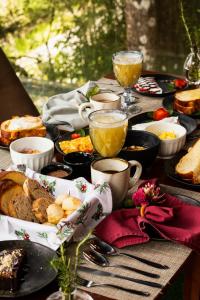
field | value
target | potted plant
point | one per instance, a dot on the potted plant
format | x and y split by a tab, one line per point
66	264
192	62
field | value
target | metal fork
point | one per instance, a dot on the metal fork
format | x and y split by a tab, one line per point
90	283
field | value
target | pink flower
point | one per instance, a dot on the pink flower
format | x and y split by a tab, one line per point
148	194
139	197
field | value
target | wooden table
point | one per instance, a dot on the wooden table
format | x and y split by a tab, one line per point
178	257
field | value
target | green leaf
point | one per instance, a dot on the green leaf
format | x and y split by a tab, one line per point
81	132
93	91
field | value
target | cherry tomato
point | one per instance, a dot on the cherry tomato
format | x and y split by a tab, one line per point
75	135
180	83
160	114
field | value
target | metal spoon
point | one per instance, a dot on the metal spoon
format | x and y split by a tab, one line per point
106	249
99	259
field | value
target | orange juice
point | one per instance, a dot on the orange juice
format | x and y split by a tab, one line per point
108	133
127	68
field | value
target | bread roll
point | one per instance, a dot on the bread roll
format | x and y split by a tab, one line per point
54	213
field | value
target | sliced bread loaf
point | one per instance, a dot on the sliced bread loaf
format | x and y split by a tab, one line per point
20	206
34	190
15	176
39	208
189	165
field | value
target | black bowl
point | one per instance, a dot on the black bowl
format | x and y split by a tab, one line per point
145	139
54	167
80	162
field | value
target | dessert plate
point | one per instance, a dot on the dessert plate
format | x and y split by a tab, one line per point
187	122
168	104
39	272
170	172
164	84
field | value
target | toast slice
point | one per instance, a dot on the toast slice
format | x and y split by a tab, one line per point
39	207
34	190
19	127
189	165
20	206
187	102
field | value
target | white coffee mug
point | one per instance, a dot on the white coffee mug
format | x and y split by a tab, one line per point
100	101
116	172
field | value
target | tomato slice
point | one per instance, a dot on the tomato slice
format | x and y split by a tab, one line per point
160	114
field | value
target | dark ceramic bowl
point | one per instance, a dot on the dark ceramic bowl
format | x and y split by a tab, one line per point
80	162
148	140
58	170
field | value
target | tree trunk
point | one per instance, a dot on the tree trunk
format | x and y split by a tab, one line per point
154	27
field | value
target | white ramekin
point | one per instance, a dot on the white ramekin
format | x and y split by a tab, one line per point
34	161
169	147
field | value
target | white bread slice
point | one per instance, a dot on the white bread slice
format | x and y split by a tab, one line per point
34	190
187	102
189	165
188	95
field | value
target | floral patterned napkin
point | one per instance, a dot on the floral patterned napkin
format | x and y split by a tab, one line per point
96	204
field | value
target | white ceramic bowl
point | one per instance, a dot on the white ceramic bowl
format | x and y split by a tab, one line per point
169	147
34	161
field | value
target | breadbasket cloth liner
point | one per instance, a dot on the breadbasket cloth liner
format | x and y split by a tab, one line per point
172	219
96	204
63	108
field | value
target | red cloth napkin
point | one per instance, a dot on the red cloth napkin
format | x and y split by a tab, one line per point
171	218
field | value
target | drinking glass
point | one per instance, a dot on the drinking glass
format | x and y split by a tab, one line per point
127	66
108	130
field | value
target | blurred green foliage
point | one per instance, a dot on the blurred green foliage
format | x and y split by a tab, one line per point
66	41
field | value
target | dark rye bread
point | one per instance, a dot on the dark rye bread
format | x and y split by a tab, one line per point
34	190
20	206
39	208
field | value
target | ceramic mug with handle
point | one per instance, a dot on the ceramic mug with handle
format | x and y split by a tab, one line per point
116	172
100	101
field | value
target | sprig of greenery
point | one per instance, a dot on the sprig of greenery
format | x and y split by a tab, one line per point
192	43
67	265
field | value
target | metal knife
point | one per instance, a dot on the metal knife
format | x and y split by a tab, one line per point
109	274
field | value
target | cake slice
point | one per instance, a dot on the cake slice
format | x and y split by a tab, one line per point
189	165
11	264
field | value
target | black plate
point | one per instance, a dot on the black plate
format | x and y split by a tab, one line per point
163	81
168	104
187	122
39	274
170	172
67	137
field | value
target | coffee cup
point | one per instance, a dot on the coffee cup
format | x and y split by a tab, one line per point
100	101
116	172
